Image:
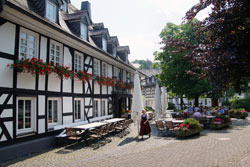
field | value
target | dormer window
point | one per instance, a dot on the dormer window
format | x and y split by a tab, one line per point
114	51
104	44
64	6
84	31
51	11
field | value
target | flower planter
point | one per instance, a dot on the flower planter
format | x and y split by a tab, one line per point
188	132
220	126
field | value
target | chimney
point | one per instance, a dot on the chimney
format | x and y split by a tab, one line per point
86	6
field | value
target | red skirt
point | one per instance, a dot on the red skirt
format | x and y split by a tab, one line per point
145	128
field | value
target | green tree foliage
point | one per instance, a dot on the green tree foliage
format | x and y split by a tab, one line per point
176	72
144	64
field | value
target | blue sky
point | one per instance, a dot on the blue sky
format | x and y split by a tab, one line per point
138	23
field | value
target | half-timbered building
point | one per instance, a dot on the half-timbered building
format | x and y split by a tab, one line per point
55	33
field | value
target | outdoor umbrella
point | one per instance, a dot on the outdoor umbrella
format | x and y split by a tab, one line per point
157	101
164	103
137	104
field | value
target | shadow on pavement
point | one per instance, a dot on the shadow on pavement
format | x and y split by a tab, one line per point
127	141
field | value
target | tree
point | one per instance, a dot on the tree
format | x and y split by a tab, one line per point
179	41
144	64
224	55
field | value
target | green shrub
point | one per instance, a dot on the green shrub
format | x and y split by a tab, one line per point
226	103
193	123
241	103
171	106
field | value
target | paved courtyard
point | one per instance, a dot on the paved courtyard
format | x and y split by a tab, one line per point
222	148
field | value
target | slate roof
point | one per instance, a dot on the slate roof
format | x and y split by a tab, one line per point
73	13
123	49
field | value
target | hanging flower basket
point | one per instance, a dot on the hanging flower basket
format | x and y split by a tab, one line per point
38	67
83	76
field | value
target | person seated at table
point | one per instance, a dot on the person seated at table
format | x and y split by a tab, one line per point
197	114
190	111
220	111
144	125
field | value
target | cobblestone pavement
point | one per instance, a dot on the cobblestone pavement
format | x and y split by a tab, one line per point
222	148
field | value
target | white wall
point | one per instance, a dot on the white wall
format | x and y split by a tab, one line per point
67	85
41	126
67	119
54	83
41	105
7	113
88	102
78	88
67	105
110	89
7	40
96	88
41	82
104	89
26	81
6	73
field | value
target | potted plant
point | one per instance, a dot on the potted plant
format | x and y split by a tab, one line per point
188	128
220	121
239	113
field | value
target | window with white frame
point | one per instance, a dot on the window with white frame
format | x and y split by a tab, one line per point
124	76
64	6
84	31
77	109
104	69
96	67
55	52
114	51
103	108
104	44
78	63
54	111
51	11
25	114
28	44
116	72
95	108
128	77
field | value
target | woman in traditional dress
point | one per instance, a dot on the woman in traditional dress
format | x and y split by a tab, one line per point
145	128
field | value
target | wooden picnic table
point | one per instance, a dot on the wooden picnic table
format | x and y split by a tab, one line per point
177	121
210	116
114	120
90	125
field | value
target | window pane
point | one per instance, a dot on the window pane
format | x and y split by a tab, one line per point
52	46
23	35
27	113
23	42
79	109
20	114
55	110
58	48
50	112
23	49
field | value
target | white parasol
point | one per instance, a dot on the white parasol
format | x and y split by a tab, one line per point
157	101
137	104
